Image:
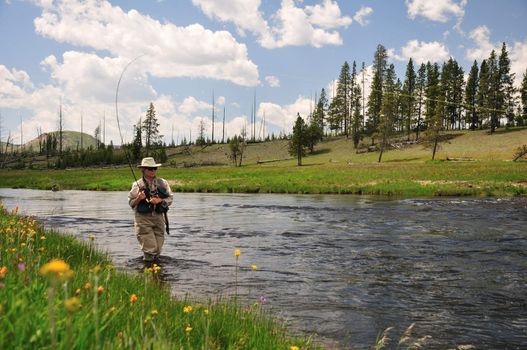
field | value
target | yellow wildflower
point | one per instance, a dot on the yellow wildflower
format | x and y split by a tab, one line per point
188	329
294	347
254	267
153	312
42	238
187	309
206	311
237	252
56	267
71	304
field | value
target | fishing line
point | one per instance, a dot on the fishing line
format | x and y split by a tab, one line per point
117	115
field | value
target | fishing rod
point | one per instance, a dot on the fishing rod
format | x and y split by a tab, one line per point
117	115
121	135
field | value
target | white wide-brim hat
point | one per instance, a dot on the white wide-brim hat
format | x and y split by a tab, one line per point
148	162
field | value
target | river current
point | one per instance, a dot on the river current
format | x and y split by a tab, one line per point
342	267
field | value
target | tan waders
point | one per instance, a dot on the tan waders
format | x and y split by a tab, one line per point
150	232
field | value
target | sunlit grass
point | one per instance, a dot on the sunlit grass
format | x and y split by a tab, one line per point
440	178
58	293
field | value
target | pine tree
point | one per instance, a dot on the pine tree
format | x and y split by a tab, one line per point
319	114
388	108
523	95
471	90
376	95
432	91
97	136
355	107
483	94
420	88
437	86
340	109
137	143
452	88
458	93
150	129
408	98
494	95
299	141
201	141
507	96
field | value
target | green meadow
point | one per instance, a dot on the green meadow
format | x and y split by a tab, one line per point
467	164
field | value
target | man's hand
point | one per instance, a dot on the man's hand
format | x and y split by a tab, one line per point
155	200
140	197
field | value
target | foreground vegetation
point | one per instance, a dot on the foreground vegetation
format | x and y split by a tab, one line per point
58	293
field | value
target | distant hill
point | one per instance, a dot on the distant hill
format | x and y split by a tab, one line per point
70	140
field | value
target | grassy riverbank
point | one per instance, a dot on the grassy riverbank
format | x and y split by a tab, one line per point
478	179
482	167
58	293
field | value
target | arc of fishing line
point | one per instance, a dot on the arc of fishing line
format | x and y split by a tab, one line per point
117	114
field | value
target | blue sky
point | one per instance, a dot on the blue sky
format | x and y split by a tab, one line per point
284	52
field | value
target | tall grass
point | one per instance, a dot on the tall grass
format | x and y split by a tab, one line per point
59	293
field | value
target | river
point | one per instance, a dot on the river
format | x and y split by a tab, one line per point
343	267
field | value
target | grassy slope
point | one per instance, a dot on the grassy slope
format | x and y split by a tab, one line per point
479	145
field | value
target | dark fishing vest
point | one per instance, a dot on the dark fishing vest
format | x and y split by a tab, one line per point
156	190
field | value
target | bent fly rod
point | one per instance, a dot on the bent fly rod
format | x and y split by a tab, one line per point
117	115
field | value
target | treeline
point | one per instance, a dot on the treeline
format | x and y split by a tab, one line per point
429	100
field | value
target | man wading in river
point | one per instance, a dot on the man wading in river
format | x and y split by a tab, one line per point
150	198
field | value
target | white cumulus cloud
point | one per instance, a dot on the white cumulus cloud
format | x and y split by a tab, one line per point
272	81
284	116
422	52
313	25
481	38
518	56
435	10
169	50
360	16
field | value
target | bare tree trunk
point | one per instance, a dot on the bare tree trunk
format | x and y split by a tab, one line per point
82	144
223	134
382	147
436	139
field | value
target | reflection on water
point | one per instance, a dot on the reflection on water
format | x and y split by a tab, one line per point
341	266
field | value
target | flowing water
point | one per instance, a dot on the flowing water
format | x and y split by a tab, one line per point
343	267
